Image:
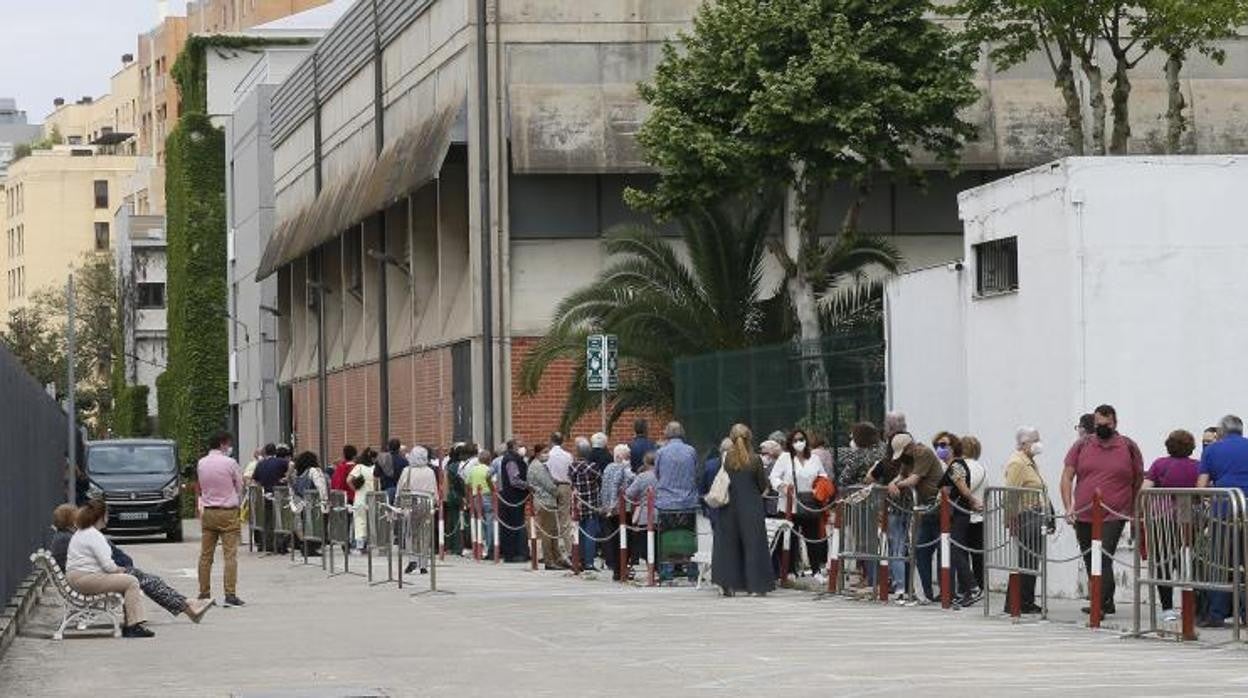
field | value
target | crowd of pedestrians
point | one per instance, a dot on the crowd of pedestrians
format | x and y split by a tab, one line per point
582	492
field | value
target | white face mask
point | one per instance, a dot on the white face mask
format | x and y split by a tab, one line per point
799	447
1037	448
522	451
228	451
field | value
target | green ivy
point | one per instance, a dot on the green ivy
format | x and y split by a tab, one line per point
190	70
166	425
198	345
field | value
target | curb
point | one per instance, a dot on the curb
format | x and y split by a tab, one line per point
18	609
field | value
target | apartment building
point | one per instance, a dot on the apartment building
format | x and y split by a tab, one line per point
109	122
227	16
58	207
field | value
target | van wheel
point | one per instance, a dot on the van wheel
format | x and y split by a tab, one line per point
175	533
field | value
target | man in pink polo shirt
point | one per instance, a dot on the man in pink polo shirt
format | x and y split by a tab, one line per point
1109	463
220	489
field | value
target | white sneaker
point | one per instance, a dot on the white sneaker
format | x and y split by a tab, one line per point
1170	616
899	598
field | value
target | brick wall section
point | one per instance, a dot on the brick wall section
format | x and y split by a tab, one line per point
533	417
420	404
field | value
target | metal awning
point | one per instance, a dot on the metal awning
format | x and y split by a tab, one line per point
409	162
107	137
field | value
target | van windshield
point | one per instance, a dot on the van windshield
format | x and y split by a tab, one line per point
130	459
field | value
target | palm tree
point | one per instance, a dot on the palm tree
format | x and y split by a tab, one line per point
663	307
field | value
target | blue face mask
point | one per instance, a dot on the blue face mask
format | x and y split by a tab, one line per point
942	452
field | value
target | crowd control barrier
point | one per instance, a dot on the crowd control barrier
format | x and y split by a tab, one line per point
256	517
415	519
863	522
311	524
338	533
1016	520
1193	540
283	525
380	534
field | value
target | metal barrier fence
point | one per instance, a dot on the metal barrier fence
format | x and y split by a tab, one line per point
33	431
416	519
283	525
862	527
380	533
1194	540
311	524
338	534
1015	522
257	517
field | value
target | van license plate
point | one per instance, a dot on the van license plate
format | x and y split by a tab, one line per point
132	516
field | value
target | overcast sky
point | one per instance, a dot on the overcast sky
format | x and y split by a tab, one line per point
67	48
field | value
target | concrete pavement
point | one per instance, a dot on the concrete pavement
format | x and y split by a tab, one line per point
506	630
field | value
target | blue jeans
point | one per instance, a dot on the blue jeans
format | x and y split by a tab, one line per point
487	523
590	526
928	533
898	547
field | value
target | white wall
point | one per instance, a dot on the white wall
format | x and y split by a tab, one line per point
1130	274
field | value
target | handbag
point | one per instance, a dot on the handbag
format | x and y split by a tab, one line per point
824	490
717	497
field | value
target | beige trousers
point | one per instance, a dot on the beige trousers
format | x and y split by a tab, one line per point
124	584
563	495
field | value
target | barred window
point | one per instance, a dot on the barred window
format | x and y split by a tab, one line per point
996	267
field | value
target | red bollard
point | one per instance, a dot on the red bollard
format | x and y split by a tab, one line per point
1095	582
576	535
787	535
498	554
441	529
479	503
528	514
946	572
1015	598
650	561
834	549
623	561
881	576
1188	595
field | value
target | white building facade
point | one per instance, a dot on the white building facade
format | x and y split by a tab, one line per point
1084	282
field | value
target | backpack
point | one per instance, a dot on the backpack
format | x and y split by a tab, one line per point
303	483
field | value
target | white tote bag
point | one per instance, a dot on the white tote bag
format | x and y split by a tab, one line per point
717	497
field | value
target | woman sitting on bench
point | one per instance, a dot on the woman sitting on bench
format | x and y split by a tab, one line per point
88	564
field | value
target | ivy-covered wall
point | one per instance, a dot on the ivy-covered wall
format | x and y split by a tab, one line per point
198	399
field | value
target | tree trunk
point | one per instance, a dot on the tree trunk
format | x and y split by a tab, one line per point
1096	99
801	239
1122	107
1074	107
1176	124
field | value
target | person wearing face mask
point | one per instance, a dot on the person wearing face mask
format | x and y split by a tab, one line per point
769	452
512	492
1110	463
220	489
795	472
1027	523
957	483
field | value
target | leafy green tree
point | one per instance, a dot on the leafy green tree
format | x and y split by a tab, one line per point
37	345
95	317
795	95
1065	32
1179	27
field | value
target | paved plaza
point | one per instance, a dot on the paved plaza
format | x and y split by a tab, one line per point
508	631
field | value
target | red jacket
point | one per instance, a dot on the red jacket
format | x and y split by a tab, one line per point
339	481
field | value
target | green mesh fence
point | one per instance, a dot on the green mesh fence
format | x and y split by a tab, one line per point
778	387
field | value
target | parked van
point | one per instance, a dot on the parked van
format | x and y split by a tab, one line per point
140	482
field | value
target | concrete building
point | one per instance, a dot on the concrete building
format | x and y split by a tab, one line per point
58	207
409	299
139	258
110	121
227	16
240	90
1083	282
14	131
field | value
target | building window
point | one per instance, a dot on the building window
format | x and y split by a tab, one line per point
101	193
151	296
996	267
101	237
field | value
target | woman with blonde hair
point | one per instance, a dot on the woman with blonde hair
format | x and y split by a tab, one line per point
741	560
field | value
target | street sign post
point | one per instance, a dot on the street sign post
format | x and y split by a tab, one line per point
602	368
